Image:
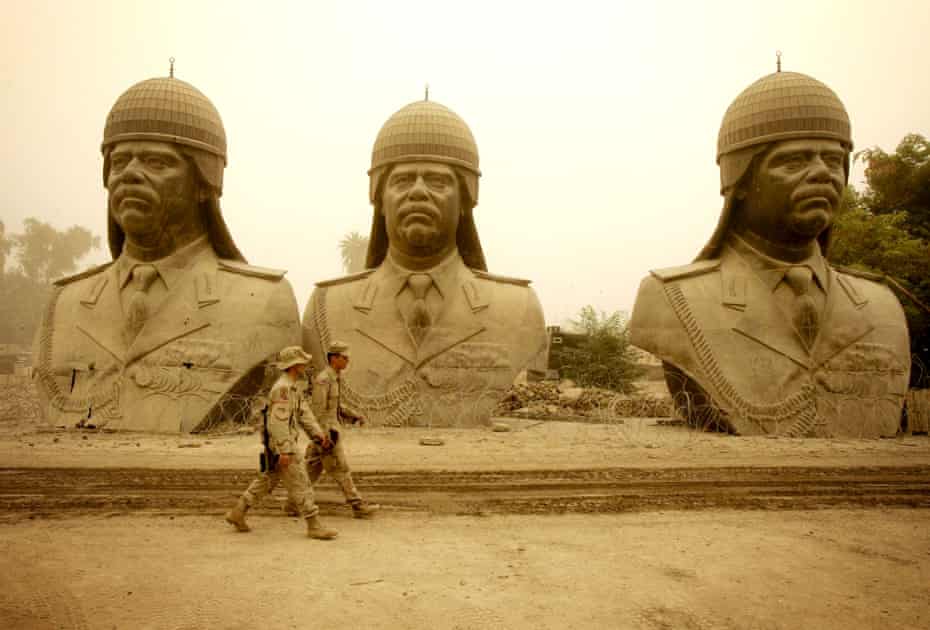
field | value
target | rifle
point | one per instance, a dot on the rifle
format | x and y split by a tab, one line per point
267	459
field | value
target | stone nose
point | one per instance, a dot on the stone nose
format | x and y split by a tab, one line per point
819	171
418	190
132	172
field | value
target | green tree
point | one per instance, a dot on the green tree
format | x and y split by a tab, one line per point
21	304
354	249
44	254
886	230
602	356
900	182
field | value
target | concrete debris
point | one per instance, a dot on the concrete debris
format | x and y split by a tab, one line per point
547	399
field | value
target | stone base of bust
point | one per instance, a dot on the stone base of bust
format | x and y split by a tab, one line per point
723	337
197	358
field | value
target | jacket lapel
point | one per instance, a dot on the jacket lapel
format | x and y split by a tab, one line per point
179	315
378	318
456	322
762	319
100	314
843	322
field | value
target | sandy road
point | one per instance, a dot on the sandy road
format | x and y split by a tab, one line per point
31	492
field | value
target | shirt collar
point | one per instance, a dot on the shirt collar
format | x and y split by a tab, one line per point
170	268
444	274
772	271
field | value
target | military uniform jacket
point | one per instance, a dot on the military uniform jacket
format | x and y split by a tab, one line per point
327	399
488	329
288	409
717	322
217	323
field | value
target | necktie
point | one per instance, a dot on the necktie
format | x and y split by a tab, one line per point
420	320
138	311
806	318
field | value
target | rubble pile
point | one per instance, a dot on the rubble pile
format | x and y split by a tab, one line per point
547	399
19	401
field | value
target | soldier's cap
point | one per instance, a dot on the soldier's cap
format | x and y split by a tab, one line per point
292	355
338	347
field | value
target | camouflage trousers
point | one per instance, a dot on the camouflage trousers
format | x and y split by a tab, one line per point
294	478
333	462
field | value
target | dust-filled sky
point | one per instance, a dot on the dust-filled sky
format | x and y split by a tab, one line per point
596	122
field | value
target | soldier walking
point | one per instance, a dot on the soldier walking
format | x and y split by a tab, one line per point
330	410
287	410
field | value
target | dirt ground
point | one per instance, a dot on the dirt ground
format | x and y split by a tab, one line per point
692	570
170	561
637	442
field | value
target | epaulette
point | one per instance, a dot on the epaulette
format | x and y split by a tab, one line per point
484	275
349	278
686	271
84	274
251	270
868	275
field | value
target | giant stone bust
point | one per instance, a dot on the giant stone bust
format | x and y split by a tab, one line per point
436	339
761	335
172	335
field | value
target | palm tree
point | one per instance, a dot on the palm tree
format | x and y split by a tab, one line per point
354	248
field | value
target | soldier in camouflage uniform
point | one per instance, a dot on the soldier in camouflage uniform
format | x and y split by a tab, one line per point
287	410
330	409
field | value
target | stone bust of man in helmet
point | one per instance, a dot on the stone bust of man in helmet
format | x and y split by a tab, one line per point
174	332
435	338
761	335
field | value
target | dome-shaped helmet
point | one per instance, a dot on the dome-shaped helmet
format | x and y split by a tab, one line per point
780	106
166	109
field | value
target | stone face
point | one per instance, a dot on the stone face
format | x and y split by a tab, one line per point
760	335
436	340
174	333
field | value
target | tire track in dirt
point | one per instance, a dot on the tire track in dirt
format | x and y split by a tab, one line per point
47	492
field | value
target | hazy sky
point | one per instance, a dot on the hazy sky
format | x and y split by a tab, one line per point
596	122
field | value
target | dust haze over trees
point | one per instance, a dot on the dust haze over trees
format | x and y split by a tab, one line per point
29	263
598	352
885	229
354	249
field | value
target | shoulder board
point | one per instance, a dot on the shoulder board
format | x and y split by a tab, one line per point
352	277
484	275
84	274
251	270
686	271
323	377
868	275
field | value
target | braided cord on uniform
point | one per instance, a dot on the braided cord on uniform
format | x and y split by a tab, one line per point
57	398
799	409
